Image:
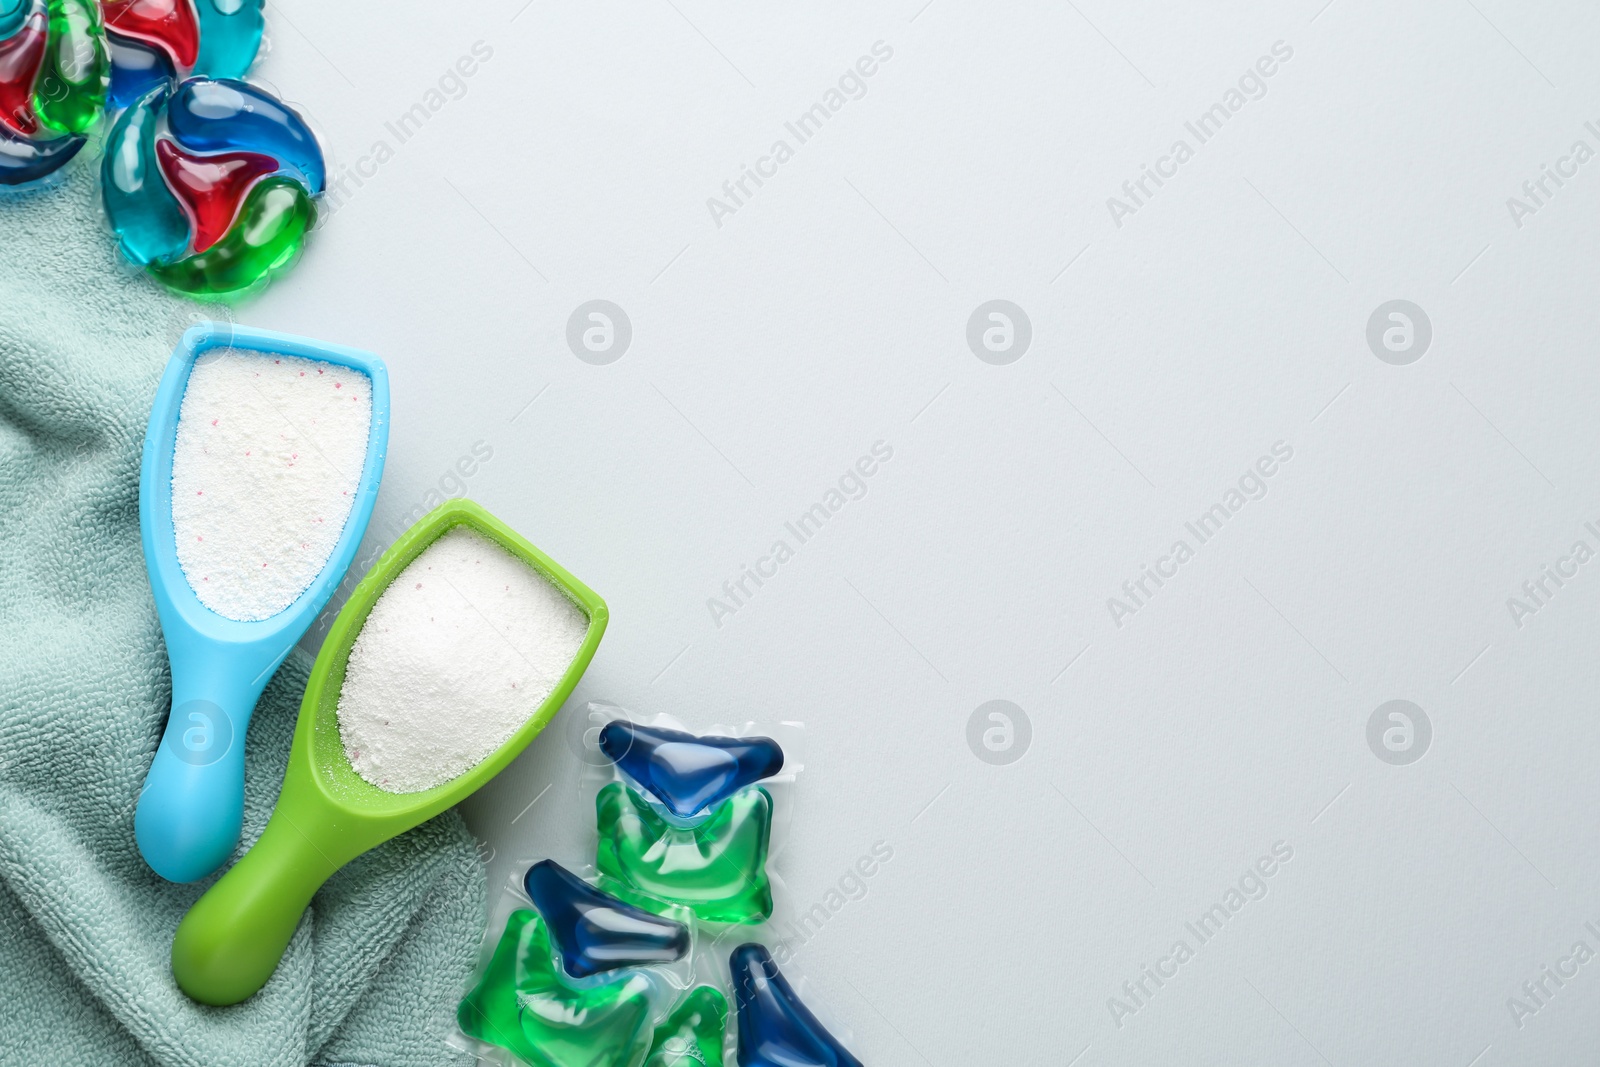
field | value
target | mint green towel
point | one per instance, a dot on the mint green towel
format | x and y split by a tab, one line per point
373	975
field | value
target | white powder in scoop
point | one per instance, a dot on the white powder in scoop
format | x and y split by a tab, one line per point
268	458
457	653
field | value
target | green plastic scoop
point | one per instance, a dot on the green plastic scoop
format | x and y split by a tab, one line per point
230	942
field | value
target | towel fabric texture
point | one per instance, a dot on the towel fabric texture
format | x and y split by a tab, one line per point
374	972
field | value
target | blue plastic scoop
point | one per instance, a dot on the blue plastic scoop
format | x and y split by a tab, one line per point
190	811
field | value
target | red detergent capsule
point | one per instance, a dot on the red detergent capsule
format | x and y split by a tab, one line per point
170	25
20	56
210	188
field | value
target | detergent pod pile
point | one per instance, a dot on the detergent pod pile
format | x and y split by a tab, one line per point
54	75
653	956
209	181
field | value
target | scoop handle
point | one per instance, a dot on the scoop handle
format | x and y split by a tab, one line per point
192	805
231	941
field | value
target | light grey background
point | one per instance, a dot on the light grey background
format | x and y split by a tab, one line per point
1227	314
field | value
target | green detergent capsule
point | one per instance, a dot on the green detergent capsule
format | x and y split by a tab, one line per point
718	868
69	93
521	1004
264	240
692	1035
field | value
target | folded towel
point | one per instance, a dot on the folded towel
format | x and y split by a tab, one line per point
374	972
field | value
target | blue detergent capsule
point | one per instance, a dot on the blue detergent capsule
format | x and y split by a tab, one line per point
135	70
775	1029
688	774
150	225
594	931
13	13
23	160
222	114
230	36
